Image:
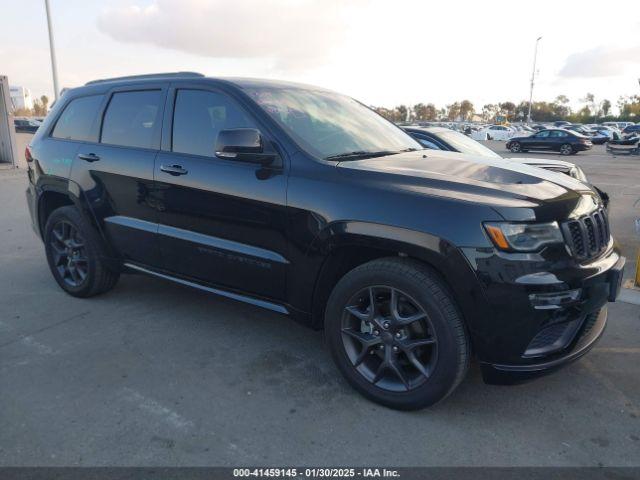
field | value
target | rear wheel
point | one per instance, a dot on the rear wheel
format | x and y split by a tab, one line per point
75	255
566	149
395	333
516	147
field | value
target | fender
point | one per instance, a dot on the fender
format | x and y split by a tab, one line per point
442	255
74	193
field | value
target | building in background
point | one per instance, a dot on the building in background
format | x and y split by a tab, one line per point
21	98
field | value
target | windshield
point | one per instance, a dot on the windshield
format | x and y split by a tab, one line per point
331	125
464	144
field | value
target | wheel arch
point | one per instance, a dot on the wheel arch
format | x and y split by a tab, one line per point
53	196
350	244
51	199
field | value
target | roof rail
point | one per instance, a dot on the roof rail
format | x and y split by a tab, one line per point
148	76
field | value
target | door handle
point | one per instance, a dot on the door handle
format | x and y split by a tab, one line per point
88	157
174	170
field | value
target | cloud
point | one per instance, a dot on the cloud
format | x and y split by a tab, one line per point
294	34
603	61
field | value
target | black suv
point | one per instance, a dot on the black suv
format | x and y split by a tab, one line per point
305	202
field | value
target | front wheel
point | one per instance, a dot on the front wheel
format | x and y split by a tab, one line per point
566	149
395	333
516	147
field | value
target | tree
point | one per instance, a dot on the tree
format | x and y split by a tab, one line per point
431	112
562	100
629	107
605	106
466	109
402	112
420	111
508	108
489	111
453	111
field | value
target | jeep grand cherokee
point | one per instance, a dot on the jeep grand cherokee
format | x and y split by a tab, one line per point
305	202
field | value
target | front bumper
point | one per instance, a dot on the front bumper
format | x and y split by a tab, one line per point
591	330
544	310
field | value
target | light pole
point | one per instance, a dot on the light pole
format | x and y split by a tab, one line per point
52	50
533	77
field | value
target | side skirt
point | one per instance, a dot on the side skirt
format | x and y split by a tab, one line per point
223	293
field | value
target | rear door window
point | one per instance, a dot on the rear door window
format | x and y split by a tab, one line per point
131	119
76	121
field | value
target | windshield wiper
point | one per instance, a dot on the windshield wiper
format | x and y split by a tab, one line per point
359	154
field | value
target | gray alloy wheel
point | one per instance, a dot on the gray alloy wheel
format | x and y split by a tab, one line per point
395	333
389	338
566	149
516	147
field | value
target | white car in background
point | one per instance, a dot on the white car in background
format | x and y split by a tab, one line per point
493	132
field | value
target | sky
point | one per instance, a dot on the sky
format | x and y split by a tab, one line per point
382	52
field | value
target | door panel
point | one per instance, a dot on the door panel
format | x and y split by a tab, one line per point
119	188
117	179
221	221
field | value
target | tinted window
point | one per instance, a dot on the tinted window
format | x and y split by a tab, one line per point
131	118
199	116
77	119
542	135
558	134
425	142
328	124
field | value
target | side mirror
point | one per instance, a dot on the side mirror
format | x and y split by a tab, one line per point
244	145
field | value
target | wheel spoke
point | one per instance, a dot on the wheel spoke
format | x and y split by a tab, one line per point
74	274
81	273
363	338
59	235
410	345
355	311
416	363
379	373
398	371
395	311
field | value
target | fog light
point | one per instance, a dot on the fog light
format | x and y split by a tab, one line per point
550	301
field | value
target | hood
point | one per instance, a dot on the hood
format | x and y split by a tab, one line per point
493	181
544	163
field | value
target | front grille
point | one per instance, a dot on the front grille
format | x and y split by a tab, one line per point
588	236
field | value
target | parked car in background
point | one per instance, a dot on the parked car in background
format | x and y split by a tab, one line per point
631	129
594	135
561	123
442	139
25	126
305	202
564	141
493	132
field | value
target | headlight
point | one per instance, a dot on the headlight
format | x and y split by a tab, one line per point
523	237
577	173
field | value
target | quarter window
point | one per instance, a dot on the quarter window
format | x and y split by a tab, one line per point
199	116
76	121
131	119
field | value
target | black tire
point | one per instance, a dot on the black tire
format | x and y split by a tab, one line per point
515	147
566	149
423	286
92	275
